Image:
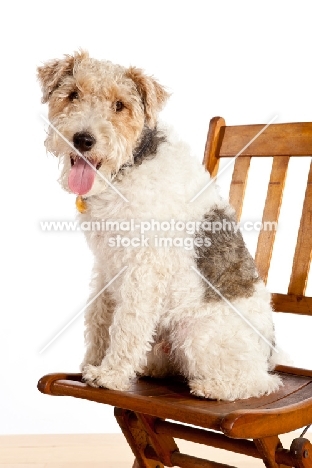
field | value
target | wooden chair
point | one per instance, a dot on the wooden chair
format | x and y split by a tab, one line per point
252	426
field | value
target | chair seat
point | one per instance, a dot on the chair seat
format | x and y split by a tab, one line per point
282	411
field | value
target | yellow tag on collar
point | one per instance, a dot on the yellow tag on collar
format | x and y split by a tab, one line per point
81	204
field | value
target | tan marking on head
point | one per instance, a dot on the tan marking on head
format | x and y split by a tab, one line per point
52	73
152	93
99	85
129	121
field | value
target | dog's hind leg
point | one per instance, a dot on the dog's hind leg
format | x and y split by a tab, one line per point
222	357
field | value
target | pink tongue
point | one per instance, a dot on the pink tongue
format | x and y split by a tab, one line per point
81	177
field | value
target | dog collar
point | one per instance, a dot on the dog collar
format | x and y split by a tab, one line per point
81	204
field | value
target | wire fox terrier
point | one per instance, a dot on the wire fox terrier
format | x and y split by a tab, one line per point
172	293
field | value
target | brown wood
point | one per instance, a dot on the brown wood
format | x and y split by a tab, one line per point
302	258
289	139
283	411
213	143
301	452
138	440
283	457
213	439
270	214
292	304
142	411
293	370
268	447
238	184
182	460
163	444
265	422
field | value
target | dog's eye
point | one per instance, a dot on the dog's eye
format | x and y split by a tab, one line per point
119	106
73	95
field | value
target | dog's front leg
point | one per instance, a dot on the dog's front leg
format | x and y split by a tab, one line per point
131	333
98	319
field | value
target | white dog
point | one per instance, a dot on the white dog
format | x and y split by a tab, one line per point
170	285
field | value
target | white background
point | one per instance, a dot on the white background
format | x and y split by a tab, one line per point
244	60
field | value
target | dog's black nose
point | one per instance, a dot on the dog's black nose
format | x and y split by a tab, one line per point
83	141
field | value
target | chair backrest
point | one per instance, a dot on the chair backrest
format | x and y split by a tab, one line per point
280	141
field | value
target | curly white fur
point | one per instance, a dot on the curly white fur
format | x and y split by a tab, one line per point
159	296
154	318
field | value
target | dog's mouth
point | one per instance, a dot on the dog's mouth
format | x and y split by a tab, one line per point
97	165
82	174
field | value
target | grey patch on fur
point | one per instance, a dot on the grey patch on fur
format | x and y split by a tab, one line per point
148	145
145	149
226	263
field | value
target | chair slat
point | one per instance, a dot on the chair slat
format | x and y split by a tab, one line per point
270	214
302	258
211	160
290	139
239	183
292	304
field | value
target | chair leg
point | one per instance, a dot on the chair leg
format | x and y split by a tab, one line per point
138	439
267	448
163	445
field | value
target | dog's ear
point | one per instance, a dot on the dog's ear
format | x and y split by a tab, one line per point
153	95
52	72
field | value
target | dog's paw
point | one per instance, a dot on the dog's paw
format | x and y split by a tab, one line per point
237	390
99	376
89	361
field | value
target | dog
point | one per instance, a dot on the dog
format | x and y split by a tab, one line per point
171	292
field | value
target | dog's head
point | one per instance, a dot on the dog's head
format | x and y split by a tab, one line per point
98	113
